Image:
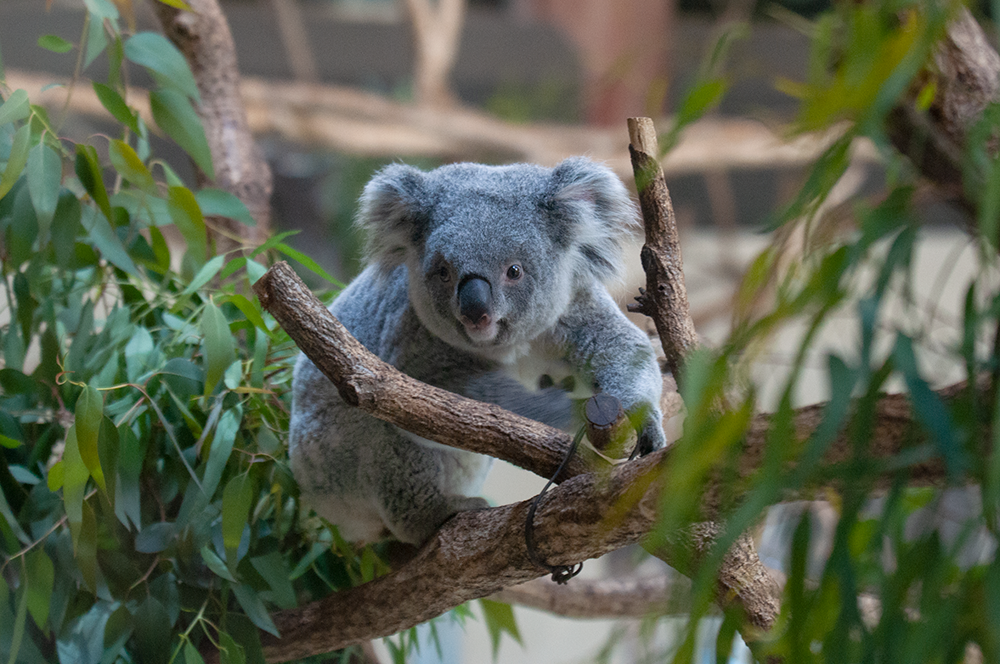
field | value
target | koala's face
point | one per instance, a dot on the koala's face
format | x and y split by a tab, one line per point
494	253
489	277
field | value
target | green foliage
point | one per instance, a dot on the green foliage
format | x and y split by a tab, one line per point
936	595
147	509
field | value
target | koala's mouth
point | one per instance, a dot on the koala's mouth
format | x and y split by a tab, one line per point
492	334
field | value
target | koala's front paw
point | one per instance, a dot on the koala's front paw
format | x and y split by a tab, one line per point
651	436
464	503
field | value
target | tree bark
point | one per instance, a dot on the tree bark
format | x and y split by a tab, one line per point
665	296
478	553
966	75
203	36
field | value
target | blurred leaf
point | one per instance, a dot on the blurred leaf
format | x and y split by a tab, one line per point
40	576
89	412
255	609
16	161
108	452
306	261
217	346
55	43
97	40
128	164
131	454
186	214
8	515
15	107
222	447
155	537
66	227
220	203
273	569
116	106
106	241
153	631
216	564
102	9
88	169
167	65
86	547
191	654
44	171
237	499
75	476
17	630
247	308
499	619
205	274
229	651
929	409
175	116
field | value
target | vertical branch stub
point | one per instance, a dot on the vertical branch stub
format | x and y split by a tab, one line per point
665	298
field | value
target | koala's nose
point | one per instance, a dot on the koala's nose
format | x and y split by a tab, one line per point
475	301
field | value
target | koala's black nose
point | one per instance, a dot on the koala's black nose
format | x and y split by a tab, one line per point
475	301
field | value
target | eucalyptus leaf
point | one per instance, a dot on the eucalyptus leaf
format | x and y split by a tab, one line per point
55	43
218	345
89	412
115	105
44	171
163	60
17	160
220	203
237	499
15	107
176	117
130	167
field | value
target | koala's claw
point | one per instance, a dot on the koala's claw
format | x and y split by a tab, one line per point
651	438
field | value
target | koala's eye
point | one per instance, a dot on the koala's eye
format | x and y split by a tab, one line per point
515	272
443	274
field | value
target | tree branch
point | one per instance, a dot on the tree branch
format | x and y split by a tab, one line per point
665	296
203	36
478	553
966	74
367	382
586	598
473	555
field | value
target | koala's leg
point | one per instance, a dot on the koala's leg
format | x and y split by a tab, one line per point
411	489
619	358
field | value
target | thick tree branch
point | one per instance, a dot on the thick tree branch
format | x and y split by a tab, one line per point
351	120
479	553
586	598
475	554
966	74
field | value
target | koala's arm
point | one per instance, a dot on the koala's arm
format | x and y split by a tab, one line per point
617	357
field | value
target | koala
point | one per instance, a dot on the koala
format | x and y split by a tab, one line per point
488	281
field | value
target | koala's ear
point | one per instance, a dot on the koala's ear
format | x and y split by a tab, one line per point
393	213
591	214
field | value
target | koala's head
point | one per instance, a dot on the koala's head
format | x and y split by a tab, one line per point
495	253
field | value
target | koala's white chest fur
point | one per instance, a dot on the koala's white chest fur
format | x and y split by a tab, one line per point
544	358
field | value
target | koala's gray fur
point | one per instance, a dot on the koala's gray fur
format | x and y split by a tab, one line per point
441	301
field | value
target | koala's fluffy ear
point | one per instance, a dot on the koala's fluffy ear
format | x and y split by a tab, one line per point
592	214
392	212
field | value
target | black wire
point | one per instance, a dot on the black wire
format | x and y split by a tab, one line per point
560	573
